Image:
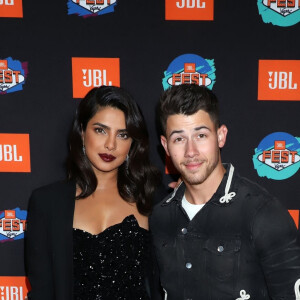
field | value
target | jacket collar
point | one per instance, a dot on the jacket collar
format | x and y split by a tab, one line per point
224	195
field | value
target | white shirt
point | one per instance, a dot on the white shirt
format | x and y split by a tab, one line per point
190	209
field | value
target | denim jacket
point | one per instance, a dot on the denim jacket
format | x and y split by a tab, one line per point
241	245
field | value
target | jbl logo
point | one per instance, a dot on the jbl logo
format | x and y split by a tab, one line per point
282	80
190	4
9	153
11	9
189	10
94	78
11	293
279	80
14	153
94	72
7	2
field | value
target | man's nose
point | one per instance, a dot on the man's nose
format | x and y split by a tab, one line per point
191	149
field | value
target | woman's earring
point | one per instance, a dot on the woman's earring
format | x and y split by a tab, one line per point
83	150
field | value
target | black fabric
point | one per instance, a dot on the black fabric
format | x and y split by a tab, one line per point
111	264
49	242
248	246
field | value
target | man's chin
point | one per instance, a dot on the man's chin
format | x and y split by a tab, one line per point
192	180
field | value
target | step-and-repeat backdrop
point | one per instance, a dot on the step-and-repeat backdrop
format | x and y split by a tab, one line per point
53	52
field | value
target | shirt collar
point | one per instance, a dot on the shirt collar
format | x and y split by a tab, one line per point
224	195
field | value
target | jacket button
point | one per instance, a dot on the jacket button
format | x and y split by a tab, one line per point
188	265
184	230
220	249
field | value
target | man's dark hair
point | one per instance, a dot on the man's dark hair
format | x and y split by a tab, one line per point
187	99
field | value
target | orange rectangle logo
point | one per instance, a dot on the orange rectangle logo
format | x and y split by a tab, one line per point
14	287
94	72
295	215
11	8
279	80
196	10
279	145
3	64
10	214
189	68
14	153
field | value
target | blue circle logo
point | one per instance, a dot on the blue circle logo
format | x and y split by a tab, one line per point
277	156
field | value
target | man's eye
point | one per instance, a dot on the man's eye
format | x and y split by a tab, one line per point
202	135
179	139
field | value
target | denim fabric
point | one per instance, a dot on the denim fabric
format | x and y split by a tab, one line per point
248	247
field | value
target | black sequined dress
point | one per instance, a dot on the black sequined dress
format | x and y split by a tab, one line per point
111	264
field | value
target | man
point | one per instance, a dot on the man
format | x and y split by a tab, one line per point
218	235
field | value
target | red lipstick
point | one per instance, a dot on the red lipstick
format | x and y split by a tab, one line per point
107	157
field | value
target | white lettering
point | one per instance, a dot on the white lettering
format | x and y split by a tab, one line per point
95	78
98	78
7	2
16	157
282	81
9	153
11	293
85	83
291	85
191	4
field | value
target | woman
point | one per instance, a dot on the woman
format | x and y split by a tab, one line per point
88	237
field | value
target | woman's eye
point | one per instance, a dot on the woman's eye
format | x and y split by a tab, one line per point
123	135
99	130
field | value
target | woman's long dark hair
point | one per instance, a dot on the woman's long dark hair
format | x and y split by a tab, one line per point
137	178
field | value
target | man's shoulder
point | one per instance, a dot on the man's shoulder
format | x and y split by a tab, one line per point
161	208
253	194
245	185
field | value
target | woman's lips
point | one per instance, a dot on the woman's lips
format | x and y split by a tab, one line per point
107	157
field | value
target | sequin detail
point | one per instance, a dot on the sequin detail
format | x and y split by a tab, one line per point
111	264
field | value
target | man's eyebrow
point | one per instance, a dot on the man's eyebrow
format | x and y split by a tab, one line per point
195	129
202	127
175	131
107	127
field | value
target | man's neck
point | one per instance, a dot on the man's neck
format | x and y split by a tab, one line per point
202	193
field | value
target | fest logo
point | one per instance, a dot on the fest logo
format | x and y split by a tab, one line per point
189	10
88	8
279	80
277	156
12	75
12	224
14	153
94	72
14	287
11	8
190	69
279	12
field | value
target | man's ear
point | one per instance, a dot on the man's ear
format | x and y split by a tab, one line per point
164	143
222	134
